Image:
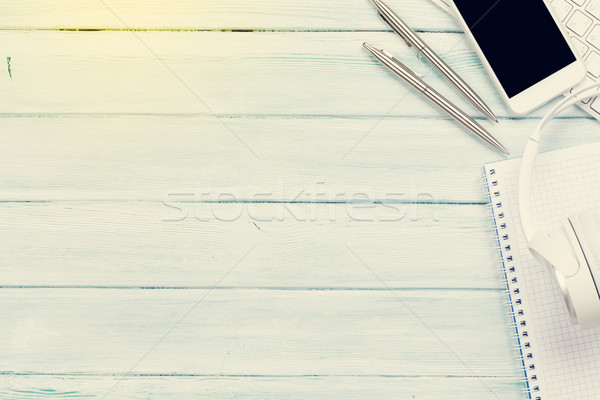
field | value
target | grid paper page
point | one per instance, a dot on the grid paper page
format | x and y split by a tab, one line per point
560	360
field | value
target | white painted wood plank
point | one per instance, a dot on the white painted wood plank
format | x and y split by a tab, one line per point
129	244
240	331
270	388
232	73
221	14
146	157
256	332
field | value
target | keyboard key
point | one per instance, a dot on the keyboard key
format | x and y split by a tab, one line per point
579	23
581	47
595	105
585	83
593	64
562	8
578	2
585	101
594	37
594	8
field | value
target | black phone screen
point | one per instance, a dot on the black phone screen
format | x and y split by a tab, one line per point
520	40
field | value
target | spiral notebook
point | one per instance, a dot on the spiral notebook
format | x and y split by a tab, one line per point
559	360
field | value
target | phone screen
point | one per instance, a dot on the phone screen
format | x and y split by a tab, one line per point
520	40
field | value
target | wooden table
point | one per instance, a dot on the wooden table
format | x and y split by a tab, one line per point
232	199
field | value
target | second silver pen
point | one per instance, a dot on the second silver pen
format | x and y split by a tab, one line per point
410	77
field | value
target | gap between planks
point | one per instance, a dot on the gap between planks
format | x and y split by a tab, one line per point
265	288
276	116
191	375
224	30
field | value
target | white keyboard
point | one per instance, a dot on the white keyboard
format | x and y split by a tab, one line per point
582	19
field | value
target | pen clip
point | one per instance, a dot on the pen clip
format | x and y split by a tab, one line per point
405	67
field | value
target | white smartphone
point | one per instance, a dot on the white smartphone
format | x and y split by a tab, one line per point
524	48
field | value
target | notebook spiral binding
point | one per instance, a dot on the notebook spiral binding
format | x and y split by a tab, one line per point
514	300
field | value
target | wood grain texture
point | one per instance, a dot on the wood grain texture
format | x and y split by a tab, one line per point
216	14
256	332
96	130
129	244
148	157
261	73
271	388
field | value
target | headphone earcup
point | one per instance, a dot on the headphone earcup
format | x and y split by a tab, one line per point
583	287
556	250
587	230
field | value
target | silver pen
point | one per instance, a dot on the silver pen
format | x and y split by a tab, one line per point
412	39
411	78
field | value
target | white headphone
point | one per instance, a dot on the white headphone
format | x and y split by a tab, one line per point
572	252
